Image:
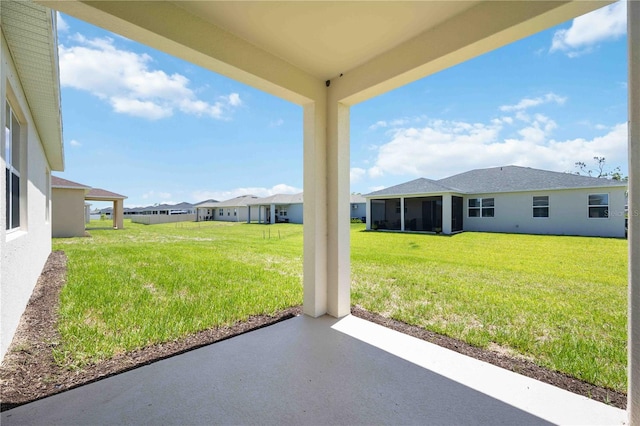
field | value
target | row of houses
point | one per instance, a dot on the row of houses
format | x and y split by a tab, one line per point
509	199
278	208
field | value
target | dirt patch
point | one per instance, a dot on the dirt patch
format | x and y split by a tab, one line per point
29	372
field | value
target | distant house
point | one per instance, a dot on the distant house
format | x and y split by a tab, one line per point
503	199
205	210
236	210
158	209
30	148
69	210
358	207
278	208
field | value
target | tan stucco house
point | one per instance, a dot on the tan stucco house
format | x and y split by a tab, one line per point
69	210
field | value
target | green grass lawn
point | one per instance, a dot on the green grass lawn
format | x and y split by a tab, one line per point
559	301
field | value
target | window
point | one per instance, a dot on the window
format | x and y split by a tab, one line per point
481	207
220	212
541	206
235	212
12	174
354	206
599	206
283	212
228	212
398	207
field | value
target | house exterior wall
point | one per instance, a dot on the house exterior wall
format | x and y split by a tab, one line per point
568	213
67	212
24	251
241	216
294	213
358	210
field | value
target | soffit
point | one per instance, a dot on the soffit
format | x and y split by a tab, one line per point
289	48
31	37
325	38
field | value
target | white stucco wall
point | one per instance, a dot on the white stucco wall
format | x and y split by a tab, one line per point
568	214
294	213
360	211
241	216
24	251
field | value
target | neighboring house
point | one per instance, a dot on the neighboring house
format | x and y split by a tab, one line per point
68	208
205	210
236	210
278	208
503	199
358	207
70	212
30	147
158	209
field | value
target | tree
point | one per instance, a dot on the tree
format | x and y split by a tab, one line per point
614	174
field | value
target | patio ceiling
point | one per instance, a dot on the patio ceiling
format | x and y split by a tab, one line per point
287	47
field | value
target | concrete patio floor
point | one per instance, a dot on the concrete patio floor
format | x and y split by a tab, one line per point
317	371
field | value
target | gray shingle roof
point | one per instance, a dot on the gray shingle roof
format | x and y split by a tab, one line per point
516	178
498	179
418	186
58	182
357	199
278	199
240	201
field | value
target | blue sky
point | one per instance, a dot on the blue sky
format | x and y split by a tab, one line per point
160	130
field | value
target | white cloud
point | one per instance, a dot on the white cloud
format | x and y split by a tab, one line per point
378	125
63	27
201	195
74	142
276	123
587	31
127	82
357	174
527	103
443	148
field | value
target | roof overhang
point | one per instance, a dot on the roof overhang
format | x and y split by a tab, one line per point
30	31
292	49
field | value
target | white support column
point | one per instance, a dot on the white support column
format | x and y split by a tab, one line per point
248	214
338	205
402	213
368	213
446	214
272	215
633	346
314	208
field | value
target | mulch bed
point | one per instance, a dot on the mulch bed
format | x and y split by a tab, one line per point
28	371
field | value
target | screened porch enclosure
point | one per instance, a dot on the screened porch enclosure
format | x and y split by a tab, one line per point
418	214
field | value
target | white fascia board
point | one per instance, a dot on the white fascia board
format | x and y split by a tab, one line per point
478	30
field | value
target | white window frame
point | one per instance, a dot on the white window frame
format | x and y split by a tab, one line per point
481	208
220	212
540	206
12	155
599	206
